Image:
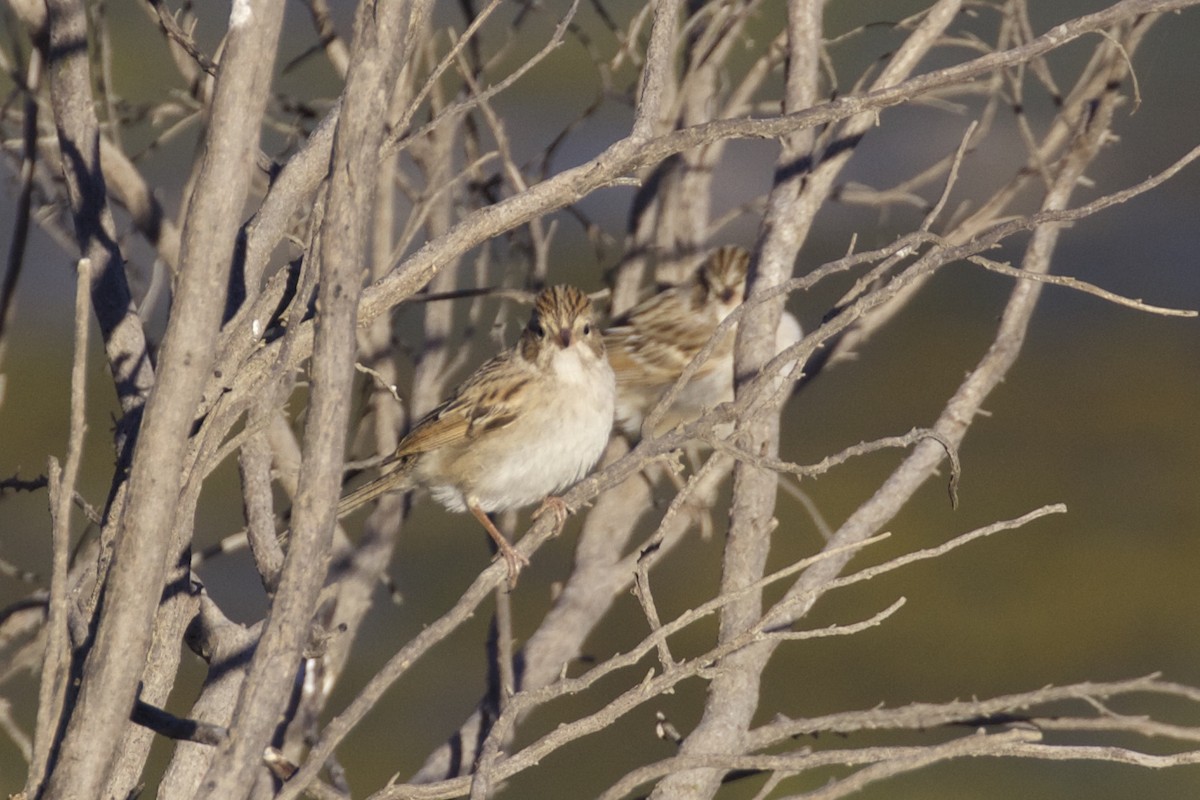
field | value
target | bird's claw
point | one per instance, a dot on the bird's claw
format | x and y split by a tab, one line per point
558	507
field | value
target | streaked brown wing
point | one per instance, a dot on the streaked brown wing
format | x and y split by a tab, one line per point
443	426
654	347
624	365
485	401
640	367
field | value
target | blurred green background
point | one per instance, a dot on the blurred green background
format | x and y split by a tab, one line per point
1100	413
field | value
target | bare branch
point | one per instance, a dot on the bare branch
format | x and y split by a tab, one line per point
57	664
171	28
410	159
111	673
1081	286
372	73
174	727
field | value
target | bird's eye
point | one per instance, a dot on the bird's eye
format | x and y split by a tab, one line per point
587	329
536	327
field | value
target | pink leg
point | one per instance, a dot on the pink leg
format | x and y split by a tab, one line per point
512	559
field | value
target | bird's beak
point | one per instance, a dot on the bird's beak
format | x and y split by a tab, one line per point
564	336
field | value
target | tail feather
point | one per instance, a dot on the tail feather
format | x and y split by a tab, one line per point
397	480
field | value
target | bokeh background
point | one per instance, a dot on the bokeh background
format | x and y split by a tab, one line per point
1100	413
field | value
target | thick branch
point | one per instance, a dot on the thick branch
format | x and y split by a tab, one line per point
79	143
114	663
374	65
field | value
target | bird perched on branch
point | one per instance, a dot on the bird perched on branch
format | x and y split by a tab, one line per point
527	424
650	345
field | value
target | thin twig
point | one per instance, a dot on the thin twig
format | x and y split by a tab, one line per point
1080	286
176	34
178	728
55	669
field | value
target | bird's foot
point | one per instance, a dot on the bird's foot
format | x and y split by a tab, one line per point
556	506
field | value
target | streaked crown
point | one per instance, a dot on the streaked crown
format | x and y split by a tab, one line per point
561	314
723	274
561	304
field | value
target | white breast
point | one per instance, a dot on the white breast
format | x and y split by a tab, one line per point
551	445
